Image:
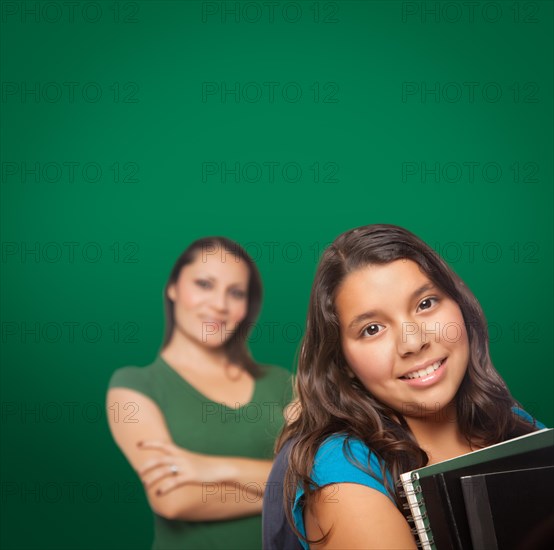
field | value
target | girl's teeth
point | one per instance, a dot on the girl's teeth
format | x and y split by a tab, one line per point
424	372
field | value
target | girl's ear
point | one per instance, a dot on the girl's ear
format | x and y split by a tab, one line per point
349	372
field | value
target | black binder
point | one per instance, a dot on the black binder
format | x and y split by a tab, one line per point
444	497
506	509
435	496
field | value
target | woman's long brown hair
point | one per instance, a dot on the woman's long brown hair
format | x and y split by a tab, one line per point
332	402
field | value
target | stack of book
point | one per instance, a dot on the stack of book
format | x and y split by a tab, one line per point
497	498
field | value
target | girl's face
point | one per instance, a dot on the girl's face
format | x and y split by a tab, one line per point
402	337
210	297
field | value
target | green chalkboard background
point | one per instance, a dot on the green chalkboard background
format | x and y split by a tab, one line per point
131	128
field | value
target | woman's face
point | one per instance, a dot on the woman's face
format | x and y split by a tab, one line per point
210	297
402	337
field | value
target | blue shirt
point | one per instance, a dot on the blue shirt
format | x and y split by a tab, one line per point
331	465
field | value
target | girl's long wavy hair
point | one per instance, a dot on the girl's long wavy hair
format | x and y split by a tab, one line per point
332	402
236	346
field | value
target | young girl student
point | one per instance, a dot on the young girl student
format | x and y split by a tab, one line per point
394	374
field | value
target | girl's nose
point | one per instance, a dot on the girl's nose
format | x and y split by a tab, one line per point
412	338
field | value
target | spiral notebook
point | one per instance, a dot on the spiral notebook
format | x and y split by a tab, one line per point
434	494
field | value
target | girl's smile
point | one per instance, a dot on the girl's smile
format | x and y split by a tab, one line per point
425	376
401	336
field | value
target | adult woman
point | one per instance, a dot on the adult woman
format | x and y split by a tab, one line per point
394	373
206	413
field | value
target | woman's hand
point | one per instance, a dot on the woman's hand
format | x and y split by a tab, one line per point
292	411
183	496
177	467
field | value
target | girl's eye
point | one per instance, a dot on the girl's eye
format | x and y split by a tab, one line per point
203	284
238	293
428	303
371	330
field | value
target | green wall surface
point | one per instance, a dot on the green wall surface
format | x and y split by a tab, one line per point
129	129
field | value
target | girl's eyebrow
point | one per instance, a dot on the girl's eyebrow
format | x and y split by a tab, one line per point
422	289
369	314
361	318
